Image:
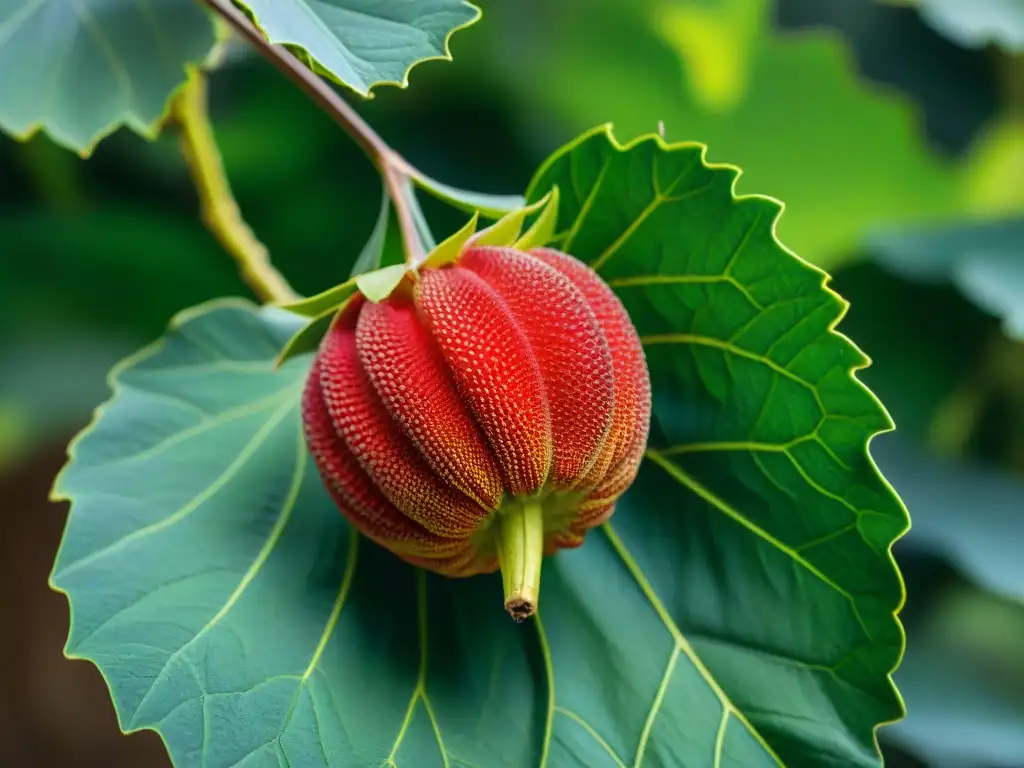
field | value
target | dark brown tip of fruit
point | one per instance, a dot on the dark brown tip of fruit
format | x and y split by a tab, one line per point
519	609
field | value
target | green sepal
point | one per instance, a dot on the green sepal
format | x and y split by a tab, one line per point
489	206
308	338
314	306
542	231
379	284
507	229
370	257
449	250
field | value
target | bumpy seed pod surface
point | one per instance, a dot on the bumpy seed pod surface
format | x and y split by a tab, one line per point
487	413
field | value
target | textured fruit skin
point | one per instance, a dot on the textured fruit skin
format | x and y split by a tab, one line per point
504	376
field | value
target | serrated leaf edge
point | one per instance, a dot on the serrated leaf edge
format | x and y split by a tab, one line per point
57	495
607	130
114	385
182	317
367	93
125	118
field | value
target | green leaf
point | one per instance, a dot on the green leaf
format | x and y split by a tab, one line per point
231	608
491	206
984	259
128	56
369	258
419	219
758	443
977	23
307	339
737	611
361	43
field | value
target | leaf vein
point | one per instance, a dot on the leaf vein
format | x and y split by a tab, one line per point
287	508
212	422
621	240
771	478
720	737
109	52
419	689
643	281
692	338
17	20
827	537
549	672
592	733
214	366
659	697
681	642
585	209
802	471
683	477
153	23
332	622
183	512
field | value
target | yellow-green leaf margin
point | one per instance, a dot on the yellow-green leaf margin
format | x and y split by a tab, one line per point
581	171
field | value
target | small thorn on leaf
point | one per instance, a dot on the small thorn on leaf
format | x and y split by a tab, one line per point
661	128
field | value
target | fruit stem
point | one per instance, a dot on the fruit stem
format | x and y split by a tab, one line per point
520	534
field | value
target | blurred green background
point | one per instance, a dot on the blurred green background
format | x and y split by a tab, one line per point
893	131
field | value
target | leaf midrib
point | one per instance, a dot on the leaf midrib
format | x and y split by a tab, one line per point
685	479
14	24
186	510
681	642
682	645
287	508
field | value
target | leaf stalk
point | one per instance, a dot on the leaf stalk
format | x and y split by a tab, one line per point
395	171
219	209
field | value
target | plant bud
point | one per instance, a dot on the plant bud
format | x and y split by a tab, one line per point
487	413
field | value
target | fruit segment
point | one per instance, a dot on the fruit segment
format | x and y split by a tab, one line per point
353	491
572	354
630	420
412	379
384	451
495	370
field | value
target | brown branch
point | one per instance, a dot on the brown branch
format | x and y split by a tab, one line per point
394	170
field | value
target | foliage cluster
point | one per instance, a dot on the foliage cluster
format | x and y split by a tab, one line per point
741	606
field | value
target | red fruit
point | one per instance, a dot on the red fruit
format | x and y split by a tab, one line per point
488	412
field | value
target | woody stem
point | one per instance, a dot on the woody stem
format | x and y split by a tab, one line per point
395	171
